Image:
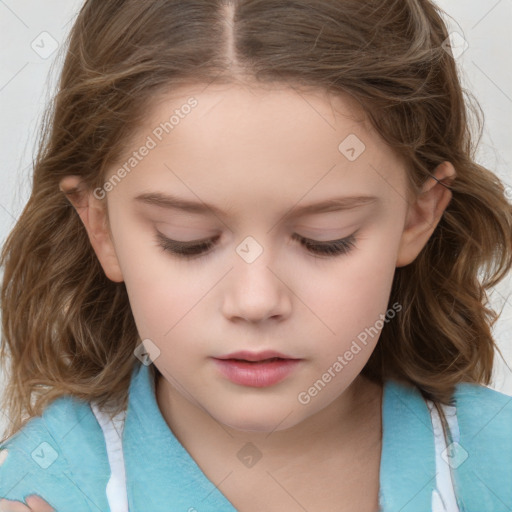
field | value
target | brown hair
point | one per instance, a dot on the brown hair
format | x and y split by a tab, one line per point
68	329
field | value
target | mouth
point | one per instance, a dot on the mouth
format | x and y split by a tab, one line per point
256	370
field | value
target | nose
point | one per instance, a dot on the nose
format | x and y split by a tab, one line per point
255	291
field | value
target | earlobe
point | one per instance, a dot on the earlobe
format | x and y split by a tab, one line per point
94	217
425	213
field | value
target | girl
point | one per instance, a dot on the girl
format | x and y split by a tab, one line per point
253	271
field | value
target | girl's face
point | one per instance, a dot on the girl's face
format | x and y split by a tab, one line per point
265	178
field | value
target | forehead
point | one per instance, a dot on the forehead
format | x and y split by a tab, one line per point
258	144
255	108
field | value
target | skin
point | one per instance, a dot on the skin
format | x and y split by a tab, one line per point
257	154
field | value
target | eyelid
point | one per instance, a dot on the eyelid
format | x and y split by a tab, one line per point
295	236
188	243
304	239
181	247
328	248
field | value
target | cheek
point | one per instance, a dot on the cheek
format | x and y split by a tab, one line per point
163	299
160	289
350	294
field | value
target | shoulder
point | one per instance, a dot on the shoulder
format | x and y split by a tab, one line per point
483	411
478	407
60	456
480	456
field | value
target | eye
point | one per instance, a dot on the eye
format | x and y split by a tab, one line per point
329	248
189	250
186	250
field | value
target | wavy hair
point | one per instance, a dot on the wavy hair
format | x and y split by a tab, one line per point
68	329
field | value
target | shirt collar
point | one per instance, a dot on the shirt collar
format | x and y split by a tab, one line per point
159	471
408	465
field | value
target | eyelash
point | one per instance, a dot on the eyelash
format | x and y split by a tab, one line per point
318	250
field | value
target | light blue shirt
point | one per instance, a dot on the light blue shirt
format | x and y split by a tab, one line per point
62	455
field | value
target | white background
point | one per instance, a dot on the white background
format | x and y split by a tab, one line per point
24	88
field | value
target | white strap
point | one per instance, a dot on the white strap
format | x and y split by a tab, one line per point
113	432
443	497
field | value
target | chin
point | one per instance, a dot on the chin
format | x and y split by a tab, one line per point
252	426
260	422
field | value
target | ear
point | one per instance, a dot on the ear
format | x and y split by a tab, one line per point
94	216
424	214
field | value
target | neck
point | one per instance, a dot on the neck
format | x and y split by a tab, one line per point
352	423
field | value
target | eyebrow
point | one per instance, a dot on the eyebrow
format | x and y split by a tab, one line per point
329	205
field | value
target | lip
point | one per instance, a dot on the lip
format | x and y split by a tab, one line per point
256	369
247	355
